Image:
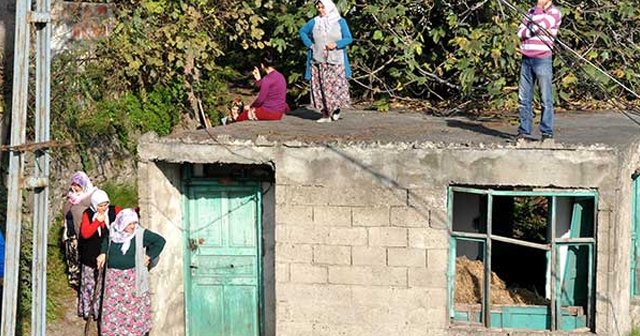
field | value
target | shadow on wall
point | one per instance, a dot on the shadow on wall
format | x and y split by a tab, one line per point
419	204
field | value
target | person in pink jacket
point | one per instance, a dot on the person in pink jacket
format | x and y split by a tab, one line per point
537	34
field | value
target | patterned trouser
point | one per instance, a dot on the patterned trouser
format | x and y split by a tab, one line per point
90	288
73	263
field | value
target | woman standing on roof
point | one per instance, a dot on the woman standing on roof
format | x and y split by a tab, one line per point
326	37
126	304
93	230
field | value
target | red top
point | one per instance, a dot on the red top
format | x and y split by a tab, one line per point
88	227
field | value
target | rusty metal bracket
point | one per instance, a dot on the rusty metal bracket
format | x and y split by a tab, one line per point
33	182
39	17
35	146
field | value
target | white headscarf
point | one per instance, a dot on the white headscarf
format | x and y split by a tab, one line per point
98	197
331	18
117	233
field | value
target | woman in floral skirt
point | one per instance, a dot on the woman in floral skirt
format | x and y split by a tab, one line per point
126	302
326	37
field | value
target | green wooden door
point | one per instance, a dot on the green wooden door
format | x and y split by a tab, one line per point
223	286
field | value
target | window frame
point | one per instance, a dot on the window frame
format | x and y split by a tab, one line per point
551	247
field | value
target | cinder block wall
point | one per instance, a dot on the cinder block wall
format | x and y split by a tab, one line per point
357	260
361	231
362	241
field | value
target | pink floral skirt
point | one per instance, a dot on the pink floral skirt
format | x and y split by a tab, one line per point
123	313
329	88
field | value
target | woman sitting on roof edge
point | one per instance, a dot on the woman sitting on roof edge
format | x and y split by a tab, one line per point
271	103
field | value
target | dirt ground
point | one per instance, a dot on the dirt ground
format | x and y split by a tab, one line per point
70	324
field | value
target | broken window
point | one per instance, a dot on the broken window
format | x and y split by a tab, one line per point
635	238
526	257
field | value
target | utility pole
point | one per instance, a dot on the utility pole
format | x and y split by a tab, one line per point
40	17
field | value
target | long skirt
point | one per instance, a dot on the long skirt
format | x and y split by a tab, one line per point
329	88
124	313
89	284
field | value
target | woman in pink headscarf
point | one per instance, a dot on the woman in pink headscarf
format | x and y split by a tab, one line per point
326	37
77	201
126	255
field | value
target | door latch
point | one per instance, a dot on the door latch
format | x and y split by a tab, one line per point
193	245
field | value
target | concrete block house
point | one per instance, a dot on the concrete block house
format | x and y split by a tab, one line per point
395	224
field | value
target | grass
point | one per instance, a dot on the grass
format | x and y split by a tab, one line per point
635	332
122	195
59	293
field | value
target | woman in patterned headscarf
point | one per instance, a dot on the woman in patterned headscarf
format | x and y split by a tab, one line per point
326	37
126	303
77	201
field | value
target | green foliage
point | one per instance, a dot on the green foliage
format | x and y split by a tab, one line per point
88	112
122	195
635	332
215	103
382	105
460	50
59	294
167	59
158	66
530	218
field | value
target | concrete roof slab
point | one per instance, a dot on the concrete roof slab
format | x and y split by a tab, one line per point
573	130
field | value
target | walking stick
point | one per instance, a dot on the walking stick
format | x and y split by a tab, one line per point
97	293
94	298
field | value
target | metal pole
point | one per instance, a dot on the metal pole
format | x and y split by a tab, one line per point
41	169
16	168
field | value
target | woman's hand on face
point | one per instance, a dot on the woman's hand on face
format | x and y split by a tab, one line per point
256	73
330	46
100	216
100	260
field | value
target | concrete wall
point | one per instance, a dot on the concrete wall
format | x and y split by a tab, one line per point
161	211
620	243
361	230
